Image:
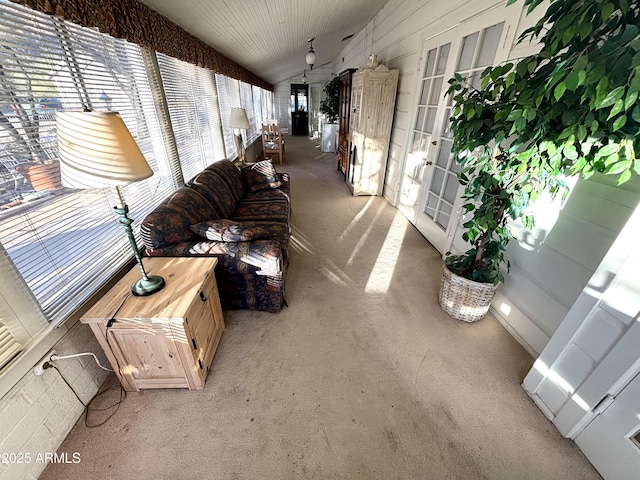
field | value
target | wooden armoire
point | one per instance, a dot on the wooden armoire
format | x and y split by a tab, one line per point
343	120
373	98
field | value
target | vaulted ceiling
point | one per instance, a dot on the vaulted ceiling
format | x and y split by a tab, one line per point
270	37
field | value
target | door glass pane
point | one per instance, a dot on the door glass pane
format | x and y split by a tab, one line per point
446	131
436	181
468	49
419	118
431	61
436	91
443	153
414	166
444	215
432	203
490	41
425	91
415	143
431	118
442	59
455	166
451	188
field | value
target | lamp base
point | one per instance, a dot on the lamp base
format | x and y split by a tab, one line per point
148	286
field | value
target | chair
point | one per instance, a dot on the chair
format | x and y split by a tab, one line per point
272	142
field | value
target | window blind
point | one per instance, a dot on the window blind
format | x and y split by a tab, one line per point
192	100
259	112
64	243
225	101
9	347
246	101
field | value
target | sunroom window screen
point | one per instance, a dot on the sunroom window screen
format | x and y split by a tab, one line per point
192	100
66	243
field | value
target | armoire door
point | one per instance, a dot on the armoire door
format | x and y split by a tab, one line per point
430	191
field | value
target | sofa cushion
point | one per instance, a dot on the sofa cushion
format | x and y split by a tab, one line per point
169	222
226	230
164	227
192	204
231	174
213	187
261	176
260	209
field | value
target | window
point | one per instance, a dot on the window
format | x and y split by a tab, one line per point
57	245
228	96
64	244
192	100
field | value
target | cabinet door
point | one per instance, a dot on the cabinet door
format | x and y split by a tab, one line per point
203	326
147	355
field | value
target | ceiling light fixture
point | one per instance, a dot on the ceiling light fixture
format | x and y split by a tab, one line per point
304	76
311	55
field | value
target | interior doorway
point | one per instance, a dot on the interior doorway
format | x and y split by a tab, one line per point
299	109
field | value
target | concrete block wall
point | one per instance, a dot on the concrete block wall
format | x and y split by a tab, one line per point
39	412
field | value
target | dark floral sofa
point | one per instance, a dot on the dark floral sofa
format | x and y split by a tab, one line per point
241	217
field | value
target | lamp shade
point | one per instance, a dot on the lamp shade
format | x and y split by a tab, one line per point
238	118
97	150
311	58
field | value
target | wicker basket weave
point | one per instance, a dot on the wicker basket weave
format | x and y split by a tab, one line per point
464	299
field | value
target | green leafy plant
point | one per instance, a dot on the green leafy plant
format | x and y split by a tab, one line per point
330	106
571	109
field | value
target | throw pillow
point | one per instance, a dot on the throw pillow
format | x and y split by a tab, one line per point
261	176
231	231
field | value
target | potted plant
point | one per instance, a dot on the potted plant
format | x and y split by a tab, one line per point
571	109
330	107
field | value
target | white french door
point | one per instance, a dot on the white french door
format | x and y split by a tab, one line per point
429	192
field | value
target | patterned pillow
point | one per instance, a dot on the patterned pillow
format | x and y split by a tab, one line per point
261	176
233	231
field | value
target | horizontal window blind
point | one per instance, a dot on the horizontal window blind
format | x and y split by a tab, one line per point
66	243
226	100
246	99
192	101
9	347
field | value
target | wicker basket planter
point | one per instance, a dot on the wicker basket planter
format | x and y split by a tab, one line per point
464	299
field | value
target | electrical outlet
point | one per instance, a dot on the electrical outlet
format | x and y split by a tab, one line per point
39	368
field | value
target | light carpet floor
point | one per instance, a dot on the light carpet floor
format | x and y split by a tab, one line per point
363	376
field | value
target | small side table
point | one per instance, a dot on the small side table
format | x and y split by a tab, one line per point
164	340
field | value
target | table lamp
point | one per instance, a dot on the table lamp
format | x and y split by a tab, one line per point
96	151
238	120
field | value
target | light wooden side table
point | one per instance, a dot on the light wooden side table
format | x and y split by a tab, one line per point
164	340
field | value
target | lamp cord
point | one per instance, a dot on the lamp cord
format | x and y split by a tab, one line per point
87	406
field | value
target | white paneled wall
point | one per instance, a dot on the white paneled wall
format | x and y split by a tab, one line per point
553	263
39	412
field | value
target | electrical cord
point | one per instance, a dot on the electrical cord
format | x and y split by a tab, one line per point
55	358
87	406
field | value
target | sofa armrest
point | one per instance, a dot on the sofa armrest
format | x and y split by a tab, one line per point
259	257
